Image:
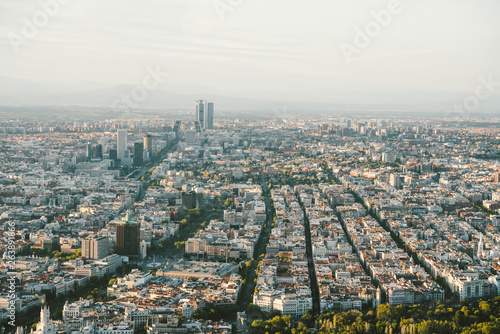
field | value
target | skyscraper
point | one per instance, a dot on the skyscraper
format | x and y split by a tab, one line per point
95	247
113	154
177	128
121	143
205	114
200	112
97	154
89	151
127	237
148	145
395	181
209	116
86	247
138	154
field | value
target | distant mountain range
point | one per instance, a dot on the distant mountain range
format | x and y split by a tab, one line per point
18	92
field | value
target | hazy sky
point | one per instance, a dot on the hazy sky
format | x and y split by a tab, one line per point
275	45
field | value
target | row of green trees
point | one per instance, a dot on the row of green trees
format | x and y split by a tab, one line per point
476	318
52	254
282	324
216	312
470	317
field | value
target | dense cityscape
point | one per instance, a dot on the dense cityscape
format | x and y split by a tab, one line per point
201	224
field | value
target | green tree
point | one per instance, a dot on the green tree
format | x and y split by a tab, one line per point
484	307
384	312
309	318
254	309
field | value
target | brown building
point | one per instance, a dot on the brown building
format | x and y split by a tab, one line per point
127	237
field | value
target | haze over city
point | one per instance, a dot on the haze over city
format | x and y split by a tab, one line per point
427	52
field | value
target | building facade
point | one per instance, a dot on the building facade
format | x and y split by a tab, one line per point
95	247
127	237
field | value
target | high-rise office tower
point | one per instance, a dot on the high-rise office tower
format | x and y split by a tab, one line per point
138	154
95	247
205	114
395	181
148	144
177	128
200	112
121	143
89	151
127	237
97	154
209	117
113	155
86	246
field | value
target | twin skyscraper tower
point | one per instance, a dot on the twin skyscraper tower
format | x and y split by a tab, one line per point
204	114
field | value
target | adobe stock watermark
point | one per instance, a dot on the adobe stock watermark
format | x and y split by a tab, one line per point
40	19
151	81
371	30
485	88
224	6
10	256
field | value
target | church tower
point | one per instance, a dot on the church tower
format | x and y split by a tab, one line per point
45	315
45	326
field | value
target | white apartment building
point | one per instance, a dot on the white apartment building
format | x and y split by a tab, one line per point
292	305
